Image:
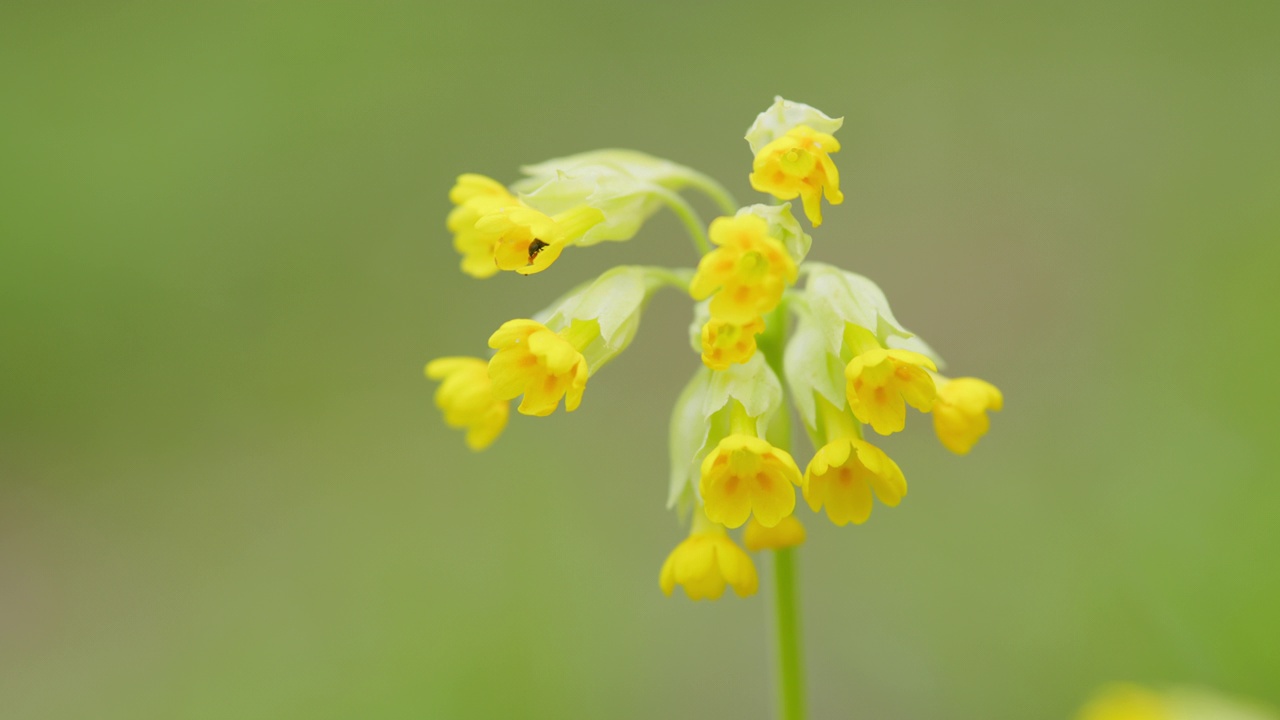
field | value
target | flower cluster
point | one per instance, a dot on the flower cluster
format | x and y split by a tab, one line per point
1125	701
830	349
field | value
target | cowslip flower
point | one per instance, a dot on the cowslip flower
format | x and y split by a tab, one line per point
1124	701
705	563
528	241
467	399
542	365
725	343
846	470
883	382
475	196
747	272
789	532
745	475
578	200
552	355
793	144
627	187
744	399
960	411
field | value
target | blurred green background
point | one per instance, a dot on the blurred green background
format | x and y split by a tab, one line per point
225	491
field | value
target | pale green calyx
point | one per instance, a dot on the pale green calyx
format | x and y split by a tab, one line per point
641	166
812	369
701	417
626	186
782	116
688	434
701	315
783	226
837	297
614	302
624	200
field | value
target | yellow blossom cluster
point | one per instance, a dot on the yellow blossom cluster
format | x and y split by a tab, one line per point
846	361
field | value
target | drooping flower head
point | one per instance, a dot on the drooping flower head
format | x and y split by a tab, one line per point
787	533
799	164
793	144
627	188
882	381
745	475
542	365
527	241
475	196
705	563
467	399
960	412
725	343
846	470
747	272
843	475
1125	701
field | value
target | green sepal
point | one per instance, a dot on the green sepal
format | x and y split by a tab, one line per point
700	419
812	369
782	116
783	226
837	297
614	301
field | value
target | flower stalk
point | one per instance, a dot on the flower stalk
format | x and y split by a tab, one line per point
789	664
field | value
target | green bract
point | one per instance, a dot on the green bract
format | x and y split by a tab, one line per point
837	297
811	368
700	419
614	301
782	116
643	167
783	226
624	200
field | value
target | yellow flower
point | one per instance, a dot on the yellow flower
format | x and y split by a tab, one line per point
542	365
960	412
785	534
1127	702
528	241
704	563
747	272
880	380
844	473
467	399
474	197
744	475
799	164
726	343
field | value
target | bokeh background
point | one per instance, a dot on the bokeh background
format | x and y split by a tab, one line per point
225	491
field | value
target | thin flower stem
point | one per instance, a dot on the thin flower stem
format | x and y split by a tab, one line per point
725	200
791	704
791	696
677	278
688	216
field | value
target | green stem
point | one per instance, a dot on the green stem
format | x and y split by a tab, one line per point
688	216
791	698
790	664
675	278
772	344
714	190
